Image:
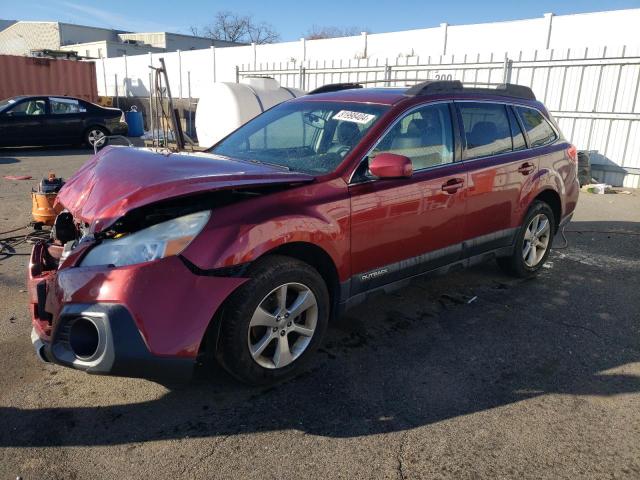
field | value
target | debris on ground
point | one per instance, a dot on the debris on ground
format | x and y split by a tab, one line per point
455	299
602	188
597	188
17	177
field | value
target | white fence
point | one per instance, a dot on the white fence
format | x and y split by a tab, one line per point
191	71
591	89
593	93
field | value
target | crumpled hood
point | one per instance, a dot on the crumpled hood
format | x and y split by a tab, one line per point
120	179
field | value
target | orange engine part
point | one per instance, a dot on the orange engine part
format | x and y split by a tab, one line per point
42	209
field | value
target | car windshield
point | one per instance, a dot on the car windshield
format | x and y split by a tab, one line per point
305	136
6	102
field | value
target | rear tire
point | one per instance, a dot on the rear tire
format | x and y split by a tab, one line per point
533	242
96	134
275	322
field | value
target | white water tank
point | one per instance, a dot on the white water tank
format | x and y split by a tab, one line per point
226	106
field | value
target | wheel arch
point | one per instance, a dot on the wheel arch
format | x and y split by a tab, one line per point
306	252
319	259
552	198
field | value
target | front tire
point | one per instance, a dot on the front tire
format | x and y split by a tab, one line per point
274	323
533	242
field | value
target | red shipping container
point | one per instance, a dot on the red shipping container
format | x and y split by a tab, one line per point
46	76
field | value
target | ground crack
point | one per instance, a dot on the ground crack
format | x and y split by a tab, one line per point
400	456
191	466
572	325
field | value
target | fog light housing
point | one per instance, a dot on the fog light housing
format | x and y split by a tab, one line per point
84	338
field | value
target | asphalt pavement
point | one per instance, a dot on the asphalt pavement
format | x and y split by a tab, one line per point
469	376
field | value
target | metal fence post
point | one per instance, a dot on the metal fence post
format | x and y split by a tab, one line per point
366	46
126	81
237	74
213	57
304	49
506	73
179	73
104	77
150	116
302	77
189	108
548	17
444	27
255	55
115	80
387	73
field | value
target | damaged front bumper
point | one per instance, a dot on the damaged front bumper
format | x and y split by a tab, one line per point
103	339
146	320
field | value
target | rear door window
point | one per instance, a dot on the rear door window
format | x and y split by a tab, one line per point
487	130
63	106
538	129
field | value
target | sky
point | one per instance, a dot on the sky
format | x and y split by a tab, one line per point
293	19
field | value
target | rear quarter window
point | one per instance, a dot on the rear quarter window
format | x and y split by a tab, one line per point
539	130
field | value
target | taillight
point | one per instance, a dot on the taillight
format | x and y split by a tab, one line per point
572	152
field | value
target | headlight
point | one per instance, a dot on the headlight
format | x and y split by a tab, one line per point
158	241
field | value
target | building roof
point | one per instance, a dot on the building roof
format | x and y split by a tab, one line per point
6	23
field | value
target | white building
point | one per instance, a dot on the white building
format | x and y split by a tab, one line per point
109	49
171	42
22	38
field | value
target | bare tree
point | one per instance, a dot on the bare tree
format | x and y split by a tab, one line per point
233	27
262	33
317	32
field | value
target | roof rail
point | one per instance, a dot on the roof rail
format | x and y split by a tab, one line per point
435	87
335	87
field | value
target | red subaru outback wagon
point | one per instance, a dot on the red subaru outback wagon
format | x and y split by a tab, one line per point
244	253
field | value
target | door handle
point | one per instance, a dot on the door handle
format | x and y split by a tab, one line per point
526	168
452	185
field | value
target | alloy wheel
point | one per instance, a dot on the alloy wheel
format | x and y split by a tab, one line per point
96	137
537	237
283	325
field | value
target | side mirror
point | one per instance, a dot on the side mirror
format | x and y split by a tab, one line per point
390	165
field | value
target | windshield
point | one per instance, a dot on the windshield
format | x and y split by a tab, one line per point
311	137
6	102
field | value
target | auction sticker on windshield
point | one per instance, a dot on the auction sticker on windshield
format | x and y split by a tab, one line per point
356	117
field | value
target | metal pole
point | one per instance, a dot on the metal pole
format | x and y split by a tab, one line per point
213	58
255	55
126	76
190	114
387	74
117	95
505	69
150	117
179	74
172	113
237	74
104	77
